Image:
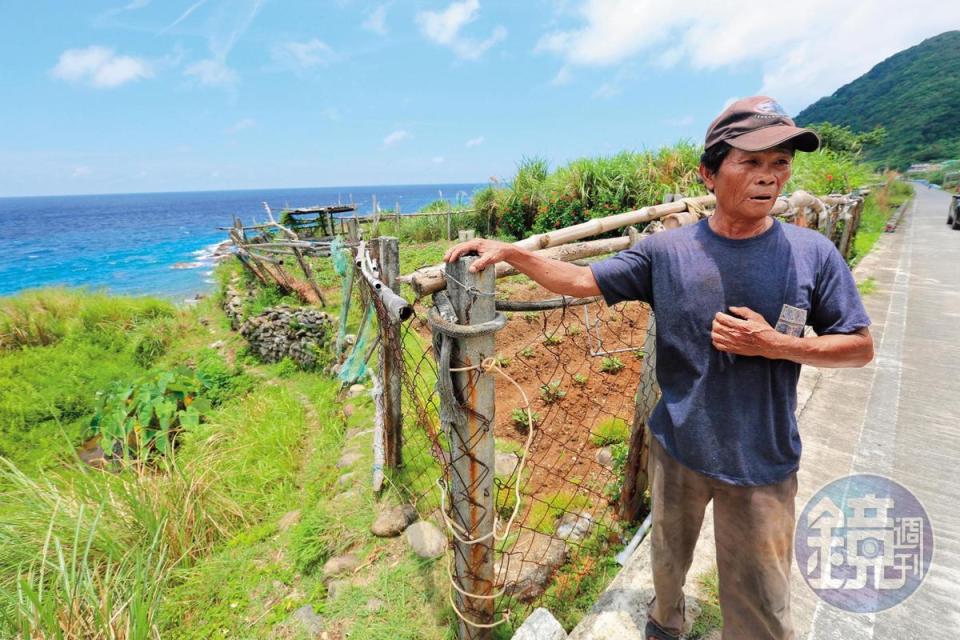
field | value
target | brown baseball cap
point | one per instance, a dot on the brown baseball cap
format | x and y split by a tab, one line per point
758	123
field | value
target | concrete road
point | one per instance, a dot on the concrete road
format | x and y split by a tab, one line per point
898	417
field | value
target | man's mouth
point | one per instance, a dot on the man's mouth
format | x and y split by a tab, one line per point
761	198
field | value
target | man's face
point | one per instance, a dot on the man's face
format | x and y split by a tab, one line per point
748	182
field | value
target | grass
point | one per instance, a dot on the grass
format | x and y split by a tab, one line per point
866	287
710	617
58	348
877	208
611	430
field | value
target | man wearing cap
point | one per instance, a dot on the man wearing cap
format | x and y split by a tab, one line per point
732	295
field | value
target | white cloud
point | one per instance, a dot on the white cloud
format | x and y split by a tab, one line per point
397	136
100	67
81	172
437	160
805	53
226	22
212	72
444	27
300	56
241	124
377	20
563	77
475	142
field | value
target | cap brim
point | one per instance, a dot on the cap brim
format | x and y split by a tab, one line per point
769	137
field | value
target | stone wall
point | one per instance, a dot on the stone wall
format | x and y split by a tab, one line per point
302	334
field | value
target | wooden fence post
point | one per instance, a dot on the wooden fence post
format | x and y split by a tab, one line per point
471	446
387	249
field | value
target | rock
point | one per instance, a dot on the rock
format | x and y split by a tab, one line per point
340	564
540	625
356	390
392	522
348	410
605	457
348	459
527	579
217	345
374	605
356	432
346	478
505	464
335	588
426	539
308	620
574	527
288	520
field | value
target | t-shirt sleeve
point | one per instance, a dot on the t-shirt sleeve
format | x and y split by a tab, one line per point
836	305
626	276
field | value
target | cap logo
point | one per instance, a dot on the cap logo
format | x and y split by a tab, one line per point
769	109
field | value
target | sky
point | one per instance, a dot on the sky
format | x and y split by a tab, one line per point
179	95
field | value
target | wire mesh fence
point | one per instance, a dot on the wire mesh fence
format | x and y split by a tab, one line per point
564	380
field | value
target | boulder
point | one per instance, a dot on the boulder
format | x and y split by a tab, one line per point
574	527
308	620
525	571
393	522
340	564
426	540
348	459
288	520
540	625
604	457
505	464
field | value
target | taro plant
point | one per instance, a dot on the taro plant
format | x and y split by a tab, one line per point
552	339
580	380
522	419
527	352
611	365
551	392
145	416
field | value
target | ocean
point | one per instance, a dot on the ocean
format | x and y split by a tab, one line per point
158	244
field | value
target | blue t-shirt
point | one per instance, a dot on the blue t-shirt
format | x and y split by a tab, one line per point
727	416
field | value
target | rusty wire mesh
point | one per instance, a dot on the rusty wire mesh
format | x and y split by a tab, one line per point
579	367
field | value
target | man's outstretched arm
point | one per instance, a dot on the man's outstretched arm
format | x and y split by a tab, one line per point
751	335
559	277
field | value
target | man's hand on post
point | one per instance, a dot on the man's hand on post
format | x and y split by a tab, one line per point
490	252
748	335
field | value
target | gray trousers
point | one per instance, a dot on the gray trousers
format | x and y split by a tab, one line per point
754	534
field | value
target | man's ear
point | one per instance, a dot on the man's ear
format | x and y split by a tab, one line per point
706	177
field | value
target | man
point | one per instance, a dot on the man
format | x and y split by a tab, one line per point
732	295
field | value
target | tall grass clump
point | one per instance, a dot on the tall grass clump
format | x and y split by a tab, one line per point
45	316
79	545
538	200
826	171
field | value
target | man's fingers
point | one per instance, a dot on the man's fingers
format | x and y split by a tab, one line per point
745	312
726	319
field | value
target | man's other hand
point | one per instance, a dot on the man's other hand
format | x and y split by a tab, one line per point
490	252
747	335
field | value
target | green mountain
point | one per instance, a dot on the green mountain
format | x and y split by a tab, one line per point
914	95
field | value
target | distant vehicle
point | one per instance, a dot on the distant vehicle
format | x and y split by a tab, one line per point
953	213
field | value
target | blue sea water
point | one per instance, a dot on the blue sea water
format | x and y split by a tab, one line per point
129	243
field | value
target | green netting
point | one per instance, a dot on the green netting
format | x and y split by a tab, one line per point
354	368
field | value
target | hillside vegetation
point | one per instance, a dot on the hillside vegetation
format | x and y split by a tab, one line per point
912	95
